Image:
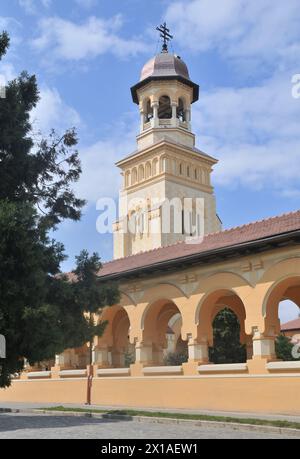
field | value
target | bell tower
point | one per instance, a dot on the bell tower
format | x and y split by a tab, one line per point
166	167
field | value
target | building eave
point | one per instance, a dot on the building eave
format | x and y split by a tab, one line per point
211	256
194	151
142	83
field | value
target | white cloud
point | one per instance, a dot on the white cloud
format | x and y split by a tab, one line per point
53	112
66	40
241	29
7	72
255	133
33	6
100	177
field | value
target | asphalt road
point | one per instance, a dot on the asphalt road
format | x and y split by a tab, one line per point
36	426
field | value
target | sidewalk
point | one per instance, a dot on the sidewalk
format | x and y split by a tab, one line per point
232	414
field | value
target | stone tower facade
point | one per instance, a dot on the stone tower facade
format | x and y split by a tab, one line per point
166	168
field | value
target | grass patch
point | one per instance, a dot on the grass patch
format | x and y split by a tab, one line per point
181	416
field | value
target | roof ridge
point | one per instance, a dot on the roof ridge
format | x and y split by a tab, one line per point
246	225
144	252
291	321
226	231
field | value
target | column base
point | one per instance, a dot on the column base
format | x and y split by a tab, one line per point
55	371
190	368
258	365
136	369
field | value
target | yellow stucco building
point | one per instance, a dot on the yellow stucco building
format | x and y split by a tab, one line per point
176	276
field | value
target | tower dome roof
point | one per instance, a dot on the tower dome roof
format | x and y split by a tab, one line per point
165	64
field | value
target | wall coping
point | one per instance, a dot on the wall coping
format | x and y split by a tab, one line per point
160	370
223	367
39	374
283	365
113	371
72	373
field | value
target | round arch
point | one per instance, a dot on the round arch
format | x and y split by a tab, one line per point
213	303
157	326
286	288
115	338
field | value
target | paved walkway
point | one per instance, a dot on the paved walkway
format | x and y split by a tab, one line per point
37	426
283	417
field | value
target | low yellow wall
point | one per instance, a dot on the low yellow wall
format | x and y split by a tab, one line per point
271	394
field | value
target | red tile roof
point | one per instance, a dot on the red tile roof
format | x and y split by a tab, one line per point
292	325
224	239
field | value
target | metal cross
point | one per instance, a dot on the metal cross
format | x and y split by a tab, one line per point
165	35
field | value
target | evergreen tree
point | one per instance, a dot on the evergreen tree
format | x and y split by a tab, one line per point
227	347
284	348
41	311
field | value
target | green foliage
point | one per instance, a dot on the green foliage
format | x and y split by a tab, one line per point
4	44
284	347
129	359
227	347
184	416
174	359
41	312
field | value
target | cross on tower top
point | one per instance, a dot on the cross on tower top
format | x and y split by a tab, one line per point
165	35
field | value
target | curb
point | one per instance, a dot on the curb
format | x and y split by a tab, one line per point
9	410
170	421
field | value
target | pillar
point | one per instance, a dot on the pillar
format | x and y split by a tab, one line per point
158	355
263	346
60	360
155	115
174	114
142	119
188	118
198	351
143	352
118	359
102	357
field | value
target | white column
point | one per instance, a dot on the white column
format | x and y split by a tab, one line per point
143	353
101	357
155	120
198	352
142	119
188	118
174	114
60	360
263	346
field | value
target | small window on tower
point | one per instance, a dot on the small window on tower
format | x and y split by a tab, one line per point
181	110
148	111
165	109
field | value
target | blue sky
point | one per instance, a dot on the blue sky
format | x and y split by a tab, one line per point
88	53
